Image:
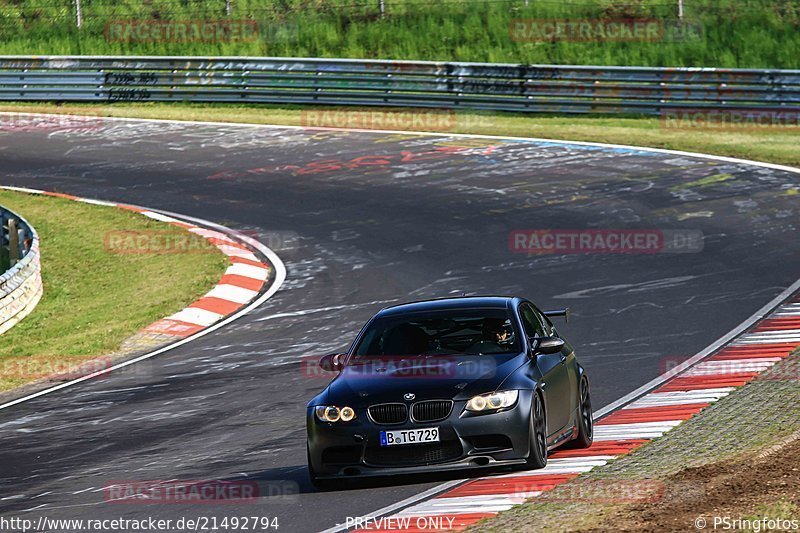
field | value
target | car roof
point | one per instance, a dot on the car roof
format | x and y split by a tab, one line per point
439	304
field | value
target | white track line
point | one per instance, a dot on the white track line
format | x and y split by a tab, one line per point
490	503
280	277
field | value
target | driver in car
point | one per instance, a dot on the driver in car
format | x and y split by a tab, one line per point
494	335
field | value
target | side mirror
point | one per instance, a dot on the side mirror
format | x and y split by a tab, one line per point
333	362
547	345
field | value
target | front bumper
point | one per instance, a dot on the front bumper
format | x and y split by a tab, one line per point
467	441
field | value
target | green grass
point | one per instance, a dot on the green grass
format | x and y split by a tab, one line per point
94	299
782	509
724	33
780	146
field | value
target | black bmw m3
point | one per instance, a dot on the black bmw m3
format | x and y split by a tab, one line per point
456	383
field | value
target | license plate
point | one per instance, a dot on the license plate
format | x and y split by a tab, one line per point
409	436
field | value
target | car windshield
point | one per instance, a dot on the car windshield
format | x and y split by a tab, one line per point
450	332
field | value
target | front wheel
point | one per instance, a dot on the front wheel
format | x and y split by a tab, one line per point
585	420
537	458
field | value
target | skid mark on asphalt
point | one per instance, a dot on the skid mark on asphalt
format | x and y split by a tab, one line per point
326	309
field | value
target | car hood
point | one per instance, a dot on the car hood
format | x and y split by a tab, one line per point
438	377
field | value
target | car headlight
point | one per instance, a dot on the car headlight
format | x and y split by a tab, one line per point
492	401
331	413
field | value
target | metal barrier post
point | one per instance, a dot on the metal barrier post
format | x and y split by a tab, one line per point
5	262
13	241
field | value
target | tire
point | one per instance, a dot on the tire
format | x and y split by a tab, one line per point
537	457
585	421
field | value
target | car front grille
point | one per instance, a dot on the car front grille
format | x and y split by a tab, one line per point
431	410
388	413
415	454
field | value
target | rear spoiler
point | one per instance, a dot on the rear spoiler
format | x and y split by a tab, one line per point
559	312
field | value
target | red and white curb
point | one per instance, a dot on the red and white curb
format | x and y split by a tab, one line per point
680	396
246	284
241	284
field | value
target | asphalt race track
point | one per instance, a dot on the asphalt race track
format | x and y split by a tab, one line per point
363	220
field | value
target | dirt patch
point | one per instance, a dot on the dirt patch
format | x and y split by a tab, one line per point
748	487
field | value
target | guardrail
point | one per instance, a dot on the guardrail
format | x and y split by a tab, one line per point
480	86
21	284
